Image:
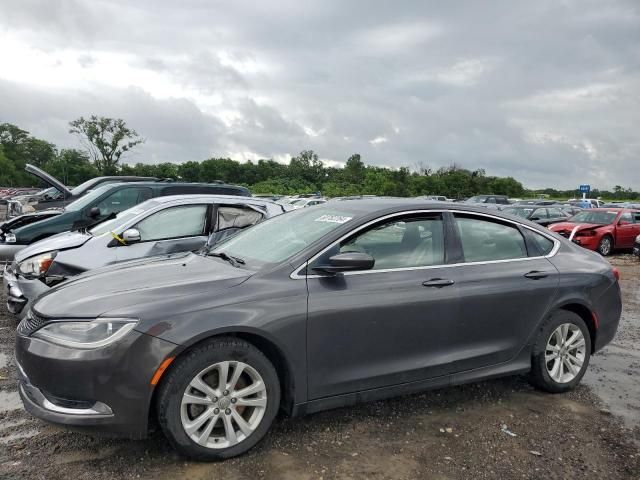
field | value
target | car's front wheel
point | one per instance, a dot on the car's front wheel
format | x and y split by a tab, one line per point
218	400
605	246
561	353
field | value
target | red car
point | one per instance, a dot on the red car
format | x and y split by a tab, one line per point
601	229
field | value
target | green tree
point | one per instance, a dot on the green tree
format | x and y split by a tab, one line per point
106	140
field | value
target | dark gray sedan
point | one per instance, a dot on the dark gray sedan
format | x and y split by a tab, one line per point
319	308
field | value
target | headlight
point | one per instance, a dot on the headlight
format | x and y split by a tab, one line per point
9	238
86	333
37	265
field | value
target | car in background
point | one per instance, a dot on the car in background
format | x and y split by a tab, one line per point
489	201
542	215
315	309
436	198
102	204
306	202
160	226
69	195
601	229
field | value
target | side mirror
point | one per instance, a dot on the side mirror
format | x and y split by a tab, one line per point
131	235
347	262
533	219
94	212
624	222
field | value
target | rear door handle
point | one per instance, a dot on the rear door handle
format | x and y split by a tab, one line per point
438	282
536	275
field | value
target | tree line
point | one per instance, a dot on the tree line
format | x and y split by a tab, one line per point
105	141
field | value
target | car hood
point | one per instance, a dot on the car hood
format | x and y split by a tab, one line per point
123	285
61	241
571	225
49	179
27	219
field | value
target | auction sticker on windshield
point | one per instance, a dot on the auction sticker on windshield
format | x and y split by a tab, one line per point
333	219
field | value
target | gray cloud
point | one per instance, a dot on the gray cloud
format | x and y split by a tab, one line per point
544	91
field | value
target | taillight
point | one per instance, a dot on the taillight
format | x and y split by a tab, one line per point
616	273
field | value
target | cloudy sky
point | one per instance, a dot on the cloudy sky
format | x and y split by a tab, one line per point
547	91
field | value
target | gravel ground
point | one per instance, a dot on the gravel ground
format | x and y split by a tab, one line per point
452	433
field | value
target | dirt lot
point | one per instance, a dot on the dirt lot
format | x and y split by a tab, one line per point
593	432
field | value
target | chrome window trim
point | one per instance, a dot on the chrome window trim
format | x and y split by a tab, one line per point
296	275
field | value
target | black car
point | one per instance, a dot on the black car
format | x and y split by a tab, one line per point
318	308
541	214
67	195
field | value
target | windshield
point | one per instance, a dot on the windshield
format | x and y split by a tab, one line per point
601	217
519	212
281	237
88	199
122	218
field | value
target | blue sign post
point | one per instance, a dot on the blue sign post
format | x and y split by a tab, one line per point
585	189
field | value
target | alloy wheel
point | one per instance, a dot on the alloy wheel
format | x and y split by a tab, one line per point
223	404
565	353
605	246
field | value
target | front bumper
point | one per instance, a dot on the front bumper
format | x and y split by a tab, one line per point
590	243
21	292
104	390
8	251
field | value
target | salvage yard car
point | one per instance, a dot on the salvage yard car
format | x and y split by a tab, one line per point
315	309
99	205
542	215
601	229
159	226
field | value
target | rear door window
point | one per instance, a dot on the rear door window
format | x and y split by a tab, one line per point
486	240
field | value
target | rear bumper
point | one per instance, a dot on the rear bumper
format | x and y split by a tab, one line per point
608	309
100	391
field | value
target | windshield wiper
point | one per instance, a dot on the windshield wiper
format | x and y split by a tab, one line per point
235	261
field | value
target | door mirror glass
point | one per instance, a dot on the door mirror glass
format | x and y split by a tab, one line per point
346	262
131	235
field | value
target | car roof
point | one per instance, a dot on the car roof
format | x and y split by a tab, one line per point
212	197
171	184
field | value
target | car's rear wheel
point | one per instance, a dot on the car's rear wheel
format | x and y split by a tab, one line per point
605	246
561	353
218	400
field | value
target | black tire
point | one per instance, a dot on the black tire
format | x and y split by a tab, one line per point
540	376
605	247
186	367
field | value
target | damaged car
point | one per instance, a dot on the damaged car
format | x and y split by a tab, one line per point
601	229
159	226
319	308
102	204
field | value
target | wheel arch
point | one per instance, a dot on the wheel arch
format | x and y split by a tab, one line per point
267	346
584	312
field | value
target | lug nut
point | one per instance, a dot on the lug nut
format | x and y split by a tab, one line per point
225	393
234	400
216	411
228	411
214	399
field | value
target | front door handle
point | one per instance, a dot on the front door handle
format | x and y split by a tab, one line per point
438	282
536	275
